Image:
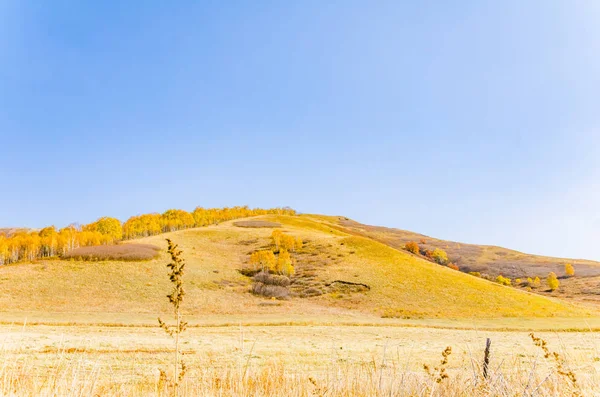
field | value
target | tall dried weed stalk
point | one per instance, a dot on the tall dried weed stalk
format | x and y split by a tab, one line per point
176	267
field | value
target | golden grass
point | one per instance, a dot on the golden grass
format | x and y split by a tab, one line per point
291	361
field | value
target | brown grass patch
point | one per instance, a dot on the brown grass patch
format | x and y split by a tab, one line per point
121	252
257	224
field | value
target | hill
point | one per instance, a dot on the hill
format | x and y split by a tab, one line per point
492	260
488	259
339	275
9	231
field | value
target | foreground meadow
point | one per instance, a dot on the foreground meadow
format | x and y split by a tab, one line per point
44	360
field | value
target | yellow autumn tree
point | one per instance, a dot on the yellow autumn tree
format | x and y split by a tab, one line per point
285	264
569	270
174	219
3	250
276	238
142	226
49	241
440	256
288	243
553	282
107	226
264	259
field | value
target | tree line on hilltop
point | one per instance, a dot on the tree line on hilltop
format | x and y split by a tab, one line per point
51	242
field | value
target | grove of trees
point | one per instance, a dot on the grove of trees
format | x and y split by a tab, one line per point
50	242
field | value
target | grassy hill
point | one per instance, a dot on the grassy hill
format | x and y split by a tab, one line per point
493	260
488	259
400	284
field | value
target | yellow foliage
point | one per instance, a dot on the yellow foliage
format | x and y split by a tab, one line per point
440	256
285	264
569	270
413	247
288	242
48	242
276	237
503	280
265	259
553	282
106	226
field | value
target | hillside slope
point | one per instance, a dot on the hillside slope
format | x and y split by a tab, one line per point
488	259
401	285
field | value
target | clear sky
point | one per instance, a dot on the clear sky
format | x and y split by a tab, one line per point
476	121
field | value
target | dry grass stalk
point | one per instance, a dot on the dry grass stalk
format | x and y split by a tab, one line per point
176	266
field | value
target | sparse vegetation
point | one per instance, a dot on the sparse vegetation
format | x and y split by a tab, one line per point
503	280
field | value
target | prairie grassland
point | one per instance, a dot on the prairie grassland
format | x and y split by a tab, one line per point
292	361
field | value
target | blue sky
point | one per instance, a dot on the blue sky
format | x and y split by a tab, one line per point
475	121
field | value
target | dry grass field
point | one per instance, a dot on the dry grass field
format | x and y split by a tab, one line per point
363	320
292	361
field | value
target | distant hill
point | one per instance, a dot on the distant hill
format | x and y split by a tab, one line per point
9	231
342	269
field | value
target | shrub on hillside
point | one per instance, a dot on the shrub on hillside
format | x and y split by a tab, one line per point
503	280
413	247
272	279
453	266
569	270
440	256
553	282
271	285
270	291
476	274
